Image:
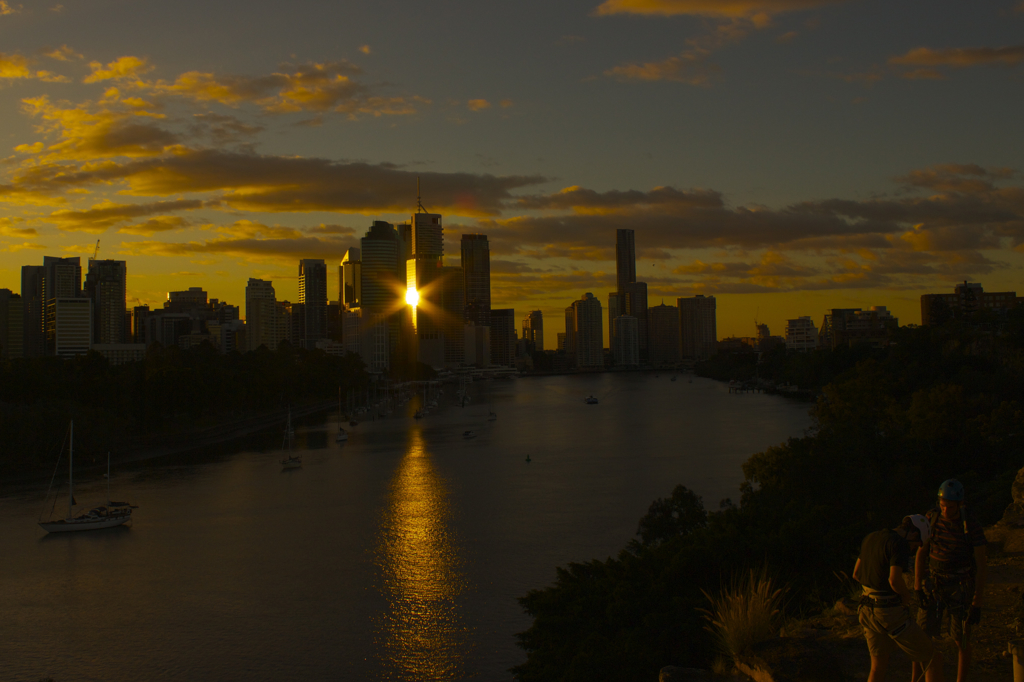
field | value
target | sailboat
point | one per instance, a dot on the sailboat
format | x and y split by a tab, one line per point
106	516
292	461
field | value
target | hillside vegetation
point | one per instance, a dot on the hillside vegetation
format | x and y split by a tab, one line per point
938	403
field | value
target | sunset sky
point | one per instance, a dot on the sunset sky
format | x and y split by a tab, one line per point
786	156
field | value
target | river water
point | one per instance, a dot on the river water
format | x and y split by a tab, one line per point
398	555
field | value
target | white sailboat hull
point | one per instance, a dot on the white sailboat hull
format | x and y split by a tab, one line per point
64	525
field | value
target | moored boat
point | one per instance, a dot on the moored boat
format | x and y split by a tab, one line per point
105	516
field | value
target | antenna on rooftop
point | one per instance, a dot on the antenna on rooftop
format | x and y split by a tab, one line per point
419	204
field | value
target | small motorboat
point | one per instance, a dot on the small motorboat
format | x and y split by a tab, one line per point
341	437
291	462
468	434
590	400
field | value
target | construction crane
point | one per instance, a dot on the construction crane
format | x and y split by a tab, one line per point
96	251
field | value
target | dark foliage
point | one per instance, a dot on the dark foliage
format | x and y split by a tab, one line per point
891	425
170	392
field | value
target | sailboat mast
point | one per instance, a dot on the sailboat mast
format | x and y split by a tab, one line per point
108	476
71	472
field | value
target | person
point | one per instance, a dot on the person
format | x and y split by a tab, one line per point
884	609
950	572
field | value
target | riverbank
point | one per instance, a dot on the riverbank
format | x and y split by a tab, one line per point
167	445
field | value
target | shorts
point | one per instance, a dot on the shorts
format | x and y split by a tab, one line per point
892	628
952	598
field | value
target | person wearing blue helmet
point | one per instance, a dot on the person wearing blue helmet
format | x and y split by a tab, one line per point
950	572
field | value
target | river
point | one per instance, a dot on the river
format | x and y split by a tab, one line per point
398	555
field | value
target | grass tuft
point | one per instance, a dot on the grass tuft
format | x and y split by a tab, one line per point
747	611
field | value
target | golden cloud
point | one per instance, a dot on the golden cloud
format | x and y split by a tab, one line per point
102	216
156	225
961	56
7	229
97	133
307	87
121	68
690	68
6	8
62	54
707	8
14	66
478	104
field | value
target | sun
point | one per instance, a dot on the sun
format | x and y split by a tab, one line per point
412	297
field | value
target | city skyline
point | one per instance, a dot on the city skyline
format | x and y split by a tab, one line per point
786	158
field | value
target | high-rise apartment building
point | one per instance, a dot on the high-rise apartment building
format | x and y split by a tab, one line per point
33	304
350	279
584	333
503	337
801	334
106	285
12	319
263	322
663	334
533	329
313	295
72	326
698	327
966	299
476	264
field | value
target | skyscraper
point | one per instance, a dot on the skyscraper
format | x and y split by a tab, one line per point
62	279
627	341
12	317
313	294
476	264
382	286
698	327
350	279
635	298
503	337
427	235
533	329
584	334
453	315
263	323
663	336
625	259
106	285
33	304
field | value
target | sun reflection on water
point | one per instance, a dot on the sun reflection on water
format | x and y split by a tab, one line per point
421	636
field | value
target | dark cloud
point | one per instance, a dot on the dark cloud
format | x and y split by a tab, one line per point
961	56
286	184
103	216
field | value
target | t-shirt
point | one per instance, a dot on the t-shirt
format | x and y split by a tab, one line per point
879	552
950	548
